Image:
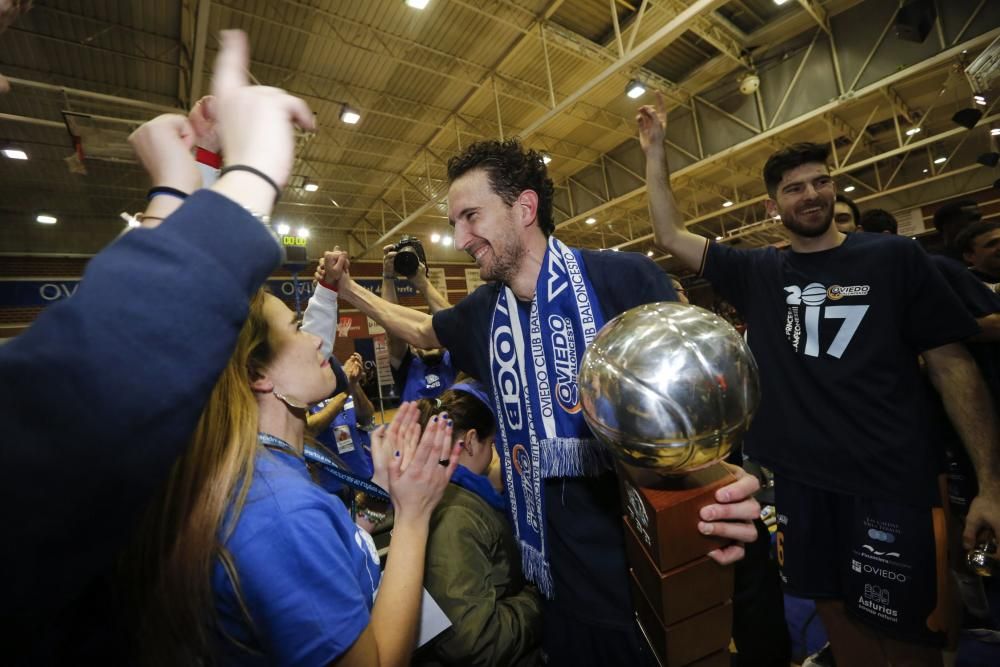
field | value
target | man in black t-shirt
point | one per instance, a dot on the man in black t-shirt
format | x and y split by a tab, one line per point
500	203
416	373
836	324
979	245
951	218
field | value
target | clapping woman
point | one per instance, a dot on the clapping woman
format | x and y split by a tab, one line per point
243	559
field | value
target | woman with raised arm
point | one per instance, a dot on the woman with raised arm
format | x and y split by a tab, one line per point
130	361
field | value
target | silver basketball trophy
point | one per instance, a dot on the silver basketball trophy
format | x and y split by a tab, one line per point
671	388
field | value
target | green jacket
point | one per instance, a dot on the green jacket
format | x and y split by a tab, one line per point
474	574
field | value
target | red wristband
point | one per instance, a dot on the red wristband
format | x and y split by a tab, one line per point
205	156
328	285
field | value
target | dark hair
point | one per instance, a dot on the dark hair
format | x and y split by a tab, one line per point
964	210
855	211
511	170
966	238
789	158
463	408
878	220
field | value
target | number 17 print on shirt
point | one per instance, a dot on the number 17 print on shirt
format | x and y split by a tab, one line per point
815	307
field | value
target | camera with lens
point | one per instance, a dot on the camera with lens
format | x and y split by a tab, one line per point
409	256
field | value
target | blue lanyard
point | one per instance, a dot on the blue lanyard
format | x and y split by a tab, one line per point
316	457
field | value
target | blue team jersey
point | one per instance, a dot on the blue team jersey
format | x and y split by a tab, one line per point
351	443
836	335
307	573
416	379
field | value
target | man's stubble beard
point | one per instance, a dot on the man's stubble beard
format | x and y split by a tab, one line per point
793	225
505	266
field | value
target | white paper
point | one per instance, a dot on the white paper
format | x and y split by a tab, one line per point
432	619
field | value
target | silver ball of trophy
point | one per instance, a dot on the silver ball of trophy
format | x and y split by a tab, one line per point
669	387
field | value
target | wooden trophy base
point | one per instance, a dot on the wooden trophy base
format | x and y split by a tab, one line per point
663	511
682	598
682	592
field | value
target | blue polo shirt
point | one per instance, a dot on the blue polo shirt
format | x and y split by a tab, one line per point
307	573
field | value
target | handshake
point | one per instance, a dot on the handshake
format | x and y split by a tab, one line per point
333	268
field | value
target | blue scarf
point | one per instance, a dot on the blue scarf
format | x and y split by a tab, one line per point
534	362
479	485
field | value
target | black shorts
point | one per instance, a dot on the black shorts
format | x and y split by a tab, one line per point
886	561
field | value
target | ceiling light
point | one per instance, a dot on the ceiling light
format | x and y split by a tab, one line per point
850	188
925	170
615	249
979	99
435	238
349	115
649	253
15	154
780	2
590	221
310	186
913	130
417	4
445	240
727	204
283	229
939	160
718	238
635	89
546	158
303	233
46	219
995	132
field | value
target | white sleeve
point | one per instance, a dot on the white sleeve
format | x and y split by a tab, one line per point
320	317
209	174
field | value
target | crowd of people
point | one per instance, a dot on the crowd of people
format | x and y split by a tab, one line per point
214	497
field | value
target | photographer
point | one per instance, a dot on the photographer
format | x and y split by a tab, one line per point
417	373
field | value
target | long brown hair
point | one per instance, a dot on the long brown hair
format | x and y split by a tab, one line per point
169	567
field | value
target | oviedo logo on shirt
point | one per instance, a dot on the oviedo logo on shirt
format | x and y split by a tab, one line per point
836	292
808	313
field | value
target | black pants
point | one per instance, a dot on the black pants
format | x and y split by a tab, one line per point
571	642
759	629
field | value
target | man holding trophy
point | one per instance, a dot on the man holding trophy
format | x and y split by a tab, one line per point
836	324
525	334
